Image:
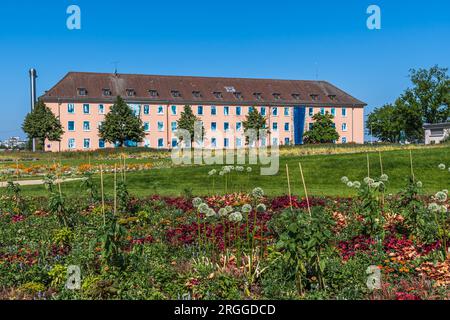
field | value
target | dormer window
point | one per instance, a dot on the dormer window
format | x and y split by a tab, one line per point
153	93
296	96
82	91
106	92
218	95
238	95
277	96
175	93
131	93
332	97
196	94
258	95
314	97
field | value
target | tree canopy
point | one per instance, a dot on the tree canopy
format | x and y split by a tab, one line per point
187	122
255	121
323	130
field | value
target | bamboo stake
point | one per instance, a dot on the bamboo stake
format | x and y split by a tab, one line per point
103	194
17	170
368	166
124	170
304	187
289	186
411	161
115	189
381	163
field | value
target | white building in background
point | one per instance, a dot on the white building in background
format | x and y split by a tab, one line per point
437	132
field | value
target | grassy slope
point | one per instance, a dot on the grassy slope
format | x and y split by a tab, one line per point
322	174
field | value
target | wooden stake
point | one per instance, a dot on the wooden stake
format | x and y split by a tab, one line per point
368	166
103	194
17	170
411	162
381	163
115	188
304	187
289	186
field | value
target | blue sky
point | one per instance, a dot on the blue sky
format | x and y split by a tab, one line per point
270	39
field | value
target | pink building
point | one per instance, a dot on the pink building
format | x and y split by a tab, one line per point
81	100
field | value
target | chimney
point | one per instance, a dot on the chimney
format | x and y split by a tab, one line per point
33	76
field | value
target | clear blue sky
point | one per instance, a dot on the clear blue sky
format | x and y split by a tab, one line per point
271	39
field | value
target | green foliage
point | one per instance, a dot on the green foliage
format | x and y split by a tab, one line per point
121	125
254	121
42	124
385	124
370	207
123	196
58	275
187	121
323	130
64	236
90	186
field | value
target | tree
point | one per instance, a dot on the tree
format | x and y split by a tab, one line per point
187	122
383	123
255	121
323	130
121	125
42	124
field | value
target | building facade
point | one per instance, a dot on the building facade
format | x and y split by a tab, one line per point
81	101
437	132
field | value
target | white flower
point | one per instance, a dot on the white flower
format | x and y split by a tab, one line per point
246	208
210	213
196	202
212	172
441	196
235	217
445	191
261	207
229	209
356	184
258	192
367	180
384	177
441	166
226	169
221	173
239	168
350	184
419	184
344	180
223	212
433	207
249	169
203	208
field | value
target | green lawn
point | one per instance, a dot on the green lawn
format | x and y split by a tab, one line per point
322	175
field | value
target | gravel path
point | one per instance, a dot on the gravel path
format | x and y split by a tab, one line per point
35	182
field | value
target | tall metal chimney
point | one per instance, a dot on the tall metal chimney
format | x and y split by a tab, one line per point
33	76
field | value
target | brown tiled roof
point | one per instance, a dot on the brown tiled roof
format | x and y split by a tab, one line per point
323	92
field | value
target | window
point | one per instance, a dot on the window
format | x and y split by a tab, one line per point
226	111
82	91
213	110
314	97
332	97
86	143
160	110
286	141
238	142
196	94
173	126
86	109
213	126
175	93
275	141
310	126
238	111
226	126
275	111
311	111
86	126
146	126
238	95
153	93
130	92
286	111
200	110
322	111
296	96
218	95
344	140
101	143
263	111
258	96
71	143
226	142
101	109
238	126
146	109
147	143
70	108
160	126
71	126
263	142
100	124
286	126
275	126
160	143
333	111
277	96
174	110
213	142
344	112
344	127
174	142
106	92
